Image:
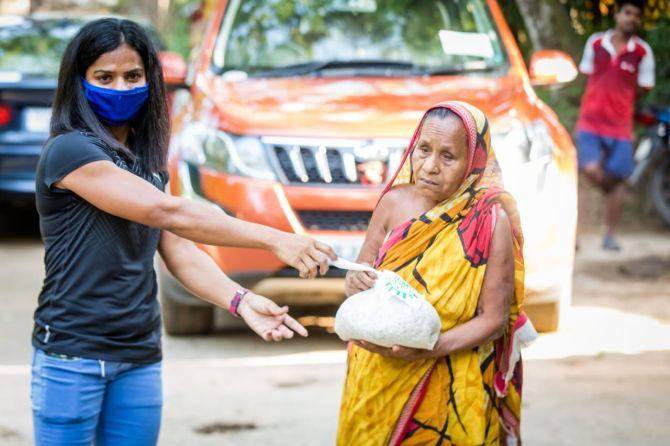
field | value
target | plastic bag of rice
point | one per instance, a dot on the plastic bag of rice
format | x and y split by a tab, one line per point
390	313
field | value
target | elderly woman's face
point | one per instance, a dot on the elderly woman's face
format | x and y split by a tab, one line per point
440	157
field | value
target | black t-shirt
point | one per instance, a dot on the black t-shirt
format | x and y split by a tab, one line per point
98	300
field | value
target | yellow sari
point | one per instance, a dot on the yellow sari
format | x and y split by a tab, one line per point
470	397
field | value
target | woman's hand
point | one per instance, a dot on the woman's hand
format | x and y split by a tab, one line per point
267	319
308	256
399	352
357	281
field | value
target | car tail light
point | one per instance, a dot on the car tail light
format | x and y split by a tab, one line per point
5	114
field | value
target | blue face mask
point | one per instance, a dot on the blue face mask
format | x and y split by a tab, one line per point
115	107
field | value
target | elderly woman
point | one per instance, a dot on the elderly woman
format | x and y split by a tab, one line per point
446	227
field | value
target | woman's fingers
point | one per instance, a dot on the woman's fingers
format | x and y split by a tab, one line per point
367	280
315	258
322	261
295	326
359	281
373	348
303	270
311	266
356	284
396	351
362	281
276	335
327	250
285	332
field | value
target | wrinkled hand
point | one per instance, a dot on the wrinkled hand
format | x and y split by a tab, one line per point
308	256
268	320
357	281
397	351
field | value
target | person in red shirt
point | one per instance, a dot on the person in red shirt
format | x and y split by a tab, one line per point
620	66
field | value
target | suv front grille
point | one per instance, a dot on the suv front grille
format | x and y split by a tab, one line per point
341	162
335	220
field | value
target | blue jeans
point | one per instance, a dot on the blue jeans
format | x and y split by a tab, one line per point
76	401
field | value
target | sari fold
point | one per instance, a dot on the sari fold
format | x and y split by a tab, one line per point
470	397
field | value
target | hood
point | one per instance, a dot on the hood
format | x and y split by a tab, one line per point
351	107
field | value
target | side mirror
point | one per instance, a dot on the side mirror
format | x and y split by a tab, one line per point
174	69
551	67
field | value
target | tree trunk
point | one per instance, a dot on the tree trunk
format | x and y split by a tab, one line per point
548	25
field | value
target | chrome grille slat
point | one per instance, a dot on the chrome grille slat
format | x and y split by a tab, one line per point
295	156
349	161
323	161
322	164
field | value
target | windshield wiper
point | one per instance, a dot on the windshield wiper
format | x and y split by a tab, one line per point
445	71
303	69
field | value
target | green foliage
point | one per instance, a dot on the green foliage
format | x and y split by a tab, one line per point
518	27
178	38
659	40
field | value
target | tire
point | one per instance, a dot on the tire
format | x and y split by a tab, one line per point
182	313
659	190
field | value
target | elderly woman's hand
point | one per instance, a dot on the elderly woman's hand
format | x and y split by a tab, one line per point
357	281
399	352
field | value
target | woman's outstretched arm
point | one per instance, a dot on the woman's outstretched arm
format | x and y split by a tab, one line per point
125	195
194	269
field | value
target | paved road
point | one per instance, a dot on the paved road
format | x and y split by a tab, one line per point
602	380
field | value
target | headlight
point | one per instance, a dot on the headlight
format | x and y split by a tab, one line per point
516	143
218	150
523	150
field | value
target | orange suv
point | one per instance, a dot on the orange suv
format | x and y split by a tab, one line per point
297	112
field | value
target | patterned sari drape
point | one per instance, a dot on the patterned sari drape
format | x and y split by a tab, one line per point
470	397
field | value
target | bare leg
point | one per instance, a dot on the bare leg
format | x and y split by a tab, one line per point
613	206
596	176
613	190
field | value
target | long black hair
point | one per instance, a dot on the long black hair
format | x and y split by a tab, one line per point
150	129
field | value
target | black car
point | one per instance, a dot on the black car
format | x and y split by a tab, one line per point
30	52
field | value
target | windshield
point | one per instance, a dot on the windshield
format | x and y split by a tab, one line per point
34	48
425	36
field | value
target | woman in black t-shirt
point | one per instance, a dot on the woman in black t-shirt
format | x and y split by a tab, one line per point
103	215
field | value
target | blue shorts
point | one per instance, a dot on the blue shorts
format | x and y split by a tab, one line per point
615	156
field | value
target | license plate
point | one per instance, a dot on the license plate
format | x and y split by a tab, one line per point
345	247
36	119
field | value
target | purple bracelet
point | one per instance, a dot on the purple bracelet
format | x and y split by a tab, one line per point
239	294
